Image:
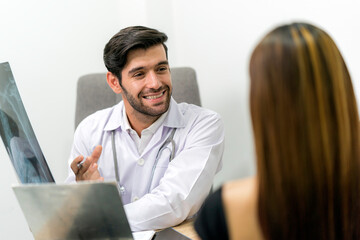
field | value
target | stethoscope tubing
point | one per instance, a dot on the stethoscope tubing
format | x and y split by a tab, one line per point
117	174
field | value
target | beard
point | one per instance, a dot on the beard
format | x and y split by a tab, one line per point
154	111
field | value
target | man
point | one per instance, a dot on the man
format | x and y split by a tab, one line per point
163	154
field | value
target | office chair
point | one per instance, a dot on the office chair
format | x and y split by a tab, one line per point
93	92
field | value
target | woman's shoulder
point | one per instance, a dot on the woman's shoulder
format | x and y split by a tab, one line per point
240	204
240	199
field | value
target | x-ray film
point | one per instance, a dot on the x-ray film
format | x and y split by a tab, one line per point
18	135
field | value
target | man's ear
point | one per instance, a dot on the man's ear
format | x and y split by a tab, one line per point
113	82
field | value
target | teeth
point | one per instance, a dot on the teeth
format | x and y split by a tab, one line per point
155	96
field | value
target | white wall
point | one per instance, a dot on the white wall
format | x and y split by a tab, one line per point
49	44
217	37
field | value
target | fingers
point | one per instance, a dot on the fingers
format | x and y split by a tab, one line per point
84	165
92	173
88	170
75	162
96	154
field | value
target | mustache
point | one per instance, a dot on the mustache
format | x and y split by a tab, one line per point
153	90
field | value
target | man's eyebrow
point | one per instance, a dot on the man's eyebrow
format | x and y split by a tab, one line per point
163	63
135	69
139	68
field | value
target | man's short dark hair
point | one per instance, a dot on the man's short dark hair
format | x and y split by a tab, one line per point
130	38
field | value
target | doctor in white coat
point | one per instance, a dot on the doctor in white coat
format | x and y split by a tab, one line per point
163	154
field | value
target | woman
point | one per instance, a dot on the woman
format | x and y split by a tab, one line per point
306	131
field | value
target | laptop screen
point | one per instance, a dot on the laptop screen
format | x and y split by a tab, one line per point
17	134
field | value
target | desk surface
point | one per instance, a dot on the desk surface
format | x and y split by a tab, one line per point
187	228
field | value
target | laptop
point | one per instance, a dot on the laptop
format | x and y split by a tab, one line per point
86	210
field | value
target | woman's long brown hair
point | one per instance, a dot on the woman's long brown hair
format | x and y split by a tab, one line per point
306	130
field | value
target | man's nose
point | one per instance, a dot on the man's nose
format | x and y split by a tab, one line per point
153	81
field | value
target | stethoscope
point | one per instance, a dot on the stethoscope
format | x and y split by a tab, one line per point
163	146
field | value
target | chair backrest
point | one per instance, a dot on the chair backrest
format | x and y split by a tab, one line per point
93	92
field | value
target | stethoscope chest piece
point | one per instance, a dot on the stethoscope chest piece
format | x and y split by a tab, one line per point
122	189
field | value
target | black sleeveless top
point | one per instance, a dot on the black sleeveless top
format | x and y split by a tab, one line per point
211	222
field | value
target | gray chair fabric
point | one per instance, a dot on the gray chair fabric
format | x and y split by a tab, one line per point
93	92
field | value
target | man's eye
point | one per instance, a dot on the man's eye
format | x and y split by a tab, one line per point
138	75
162	69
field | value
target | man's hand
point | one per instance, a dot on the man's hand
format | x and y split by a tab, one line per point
88	170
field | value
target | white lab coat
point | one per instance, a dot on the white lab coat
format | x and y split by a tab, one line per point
178	188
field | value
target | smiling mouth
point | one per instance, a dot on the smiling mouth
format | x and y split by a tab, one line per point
154	96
